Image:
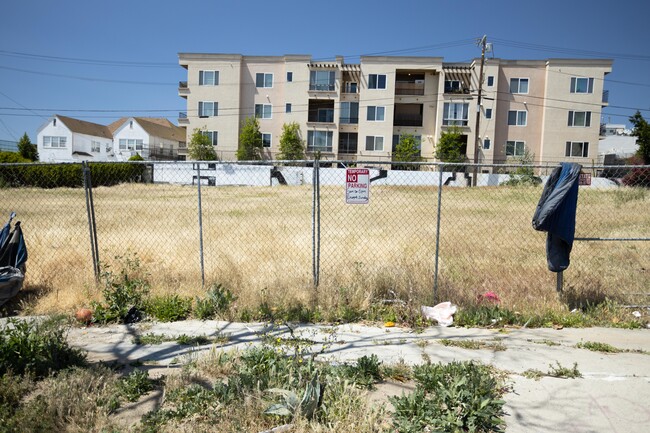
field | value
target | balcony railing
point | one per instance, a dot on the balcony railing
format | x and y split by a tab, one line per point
182	84
457	90
404	120
605	96
348	149
350	87
408	88
182	115
349	120
320	87
319	148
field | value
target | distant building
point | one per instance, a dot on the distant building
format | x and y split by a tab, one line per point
65	139
550	108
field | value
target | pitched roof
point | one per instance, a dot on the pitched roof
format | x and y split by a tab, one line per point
83	127
156	126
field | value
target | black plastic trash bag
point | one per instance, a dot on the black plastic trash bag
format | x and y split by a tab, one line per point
13	255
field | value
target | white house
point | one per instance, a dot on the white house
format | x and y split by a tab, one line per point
64	139
152	138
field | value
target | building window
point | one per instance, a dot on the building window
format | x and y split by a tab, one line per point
488	113
519	85
579	118
287	108
208	109
582	85
322	80
416	138
289	77
263	111
515	148
486	144
490	80
319	141
452	86
578	149
266	139
375	114
376	81
374	143
517	118
54	122
131	144
455	113
213	135
263	80
349	112
208	78
109	147
348	142
350	87
95	146
54	142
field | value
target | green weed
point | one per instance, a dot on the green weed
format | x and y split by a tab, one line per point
216	303
169	308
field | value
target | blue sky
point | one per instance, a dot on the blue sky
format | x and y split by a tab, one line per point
99	61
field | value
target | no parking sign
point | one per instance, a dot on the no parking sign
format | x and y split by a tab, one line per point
357	186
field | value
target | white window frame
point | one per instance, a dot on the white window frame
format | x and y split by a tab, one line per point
448	120
486	144
205	112
516	144
109	147
270	139
586	123
345	116
574	84
213	135
266	111
311	138
376	113
202	78
267	80
318	83
55	142
95	146
582	147
521	117
518	90
377	143
490	78
288	107
452	88
376	84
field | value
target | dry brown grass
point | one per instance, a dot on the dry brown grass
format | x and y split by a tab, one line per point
258	243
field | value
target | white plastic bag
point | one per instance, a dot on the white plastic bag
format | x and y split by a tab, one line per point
443	313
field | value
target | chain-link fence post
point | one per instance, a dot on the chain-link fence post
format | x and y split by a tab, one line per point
198	183
316	221
439	211
90	210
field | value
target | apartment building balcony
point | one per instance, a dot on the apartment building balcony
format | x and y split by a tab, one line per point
605	100
458	79
348	143
320	111
182	118
183	90
407	83
408	115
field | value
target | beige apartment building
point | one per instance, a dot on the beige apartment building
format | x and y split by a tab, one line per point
549	108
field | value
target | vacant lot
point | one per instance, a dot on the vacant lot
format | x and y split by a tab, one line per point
258	242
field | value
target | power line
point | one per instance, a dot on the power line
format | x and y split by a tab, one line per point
104	80
564	50
82	61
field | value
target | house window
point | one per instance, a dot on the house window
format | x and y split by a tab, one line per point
208	109
213	135
490	80
515	148
374	143
376	81
579	118
322	80
486	144
348	142
519	85
319	141
53	122
349	112
398	137
582	85
263	80
208	78
488	113
95	146
263	111
266	139
517	118
109	147
287	108
375	114
289	77
452	86
455	113
131	144
54	142
350	87
578	149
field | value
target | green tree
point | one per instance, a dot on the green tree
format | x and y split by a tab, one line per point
291	145
449	148
250	141
407	150
200	147
26	149
642	132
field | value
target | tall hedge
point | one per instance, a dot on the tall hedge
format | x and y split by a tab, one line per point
69	175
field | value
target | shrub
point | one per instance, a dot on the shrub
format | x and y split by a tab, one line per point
36	347
169	308
135	385
216	302
637	177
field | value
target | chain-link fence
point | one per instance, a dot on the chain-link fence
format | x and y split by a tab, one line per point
286	230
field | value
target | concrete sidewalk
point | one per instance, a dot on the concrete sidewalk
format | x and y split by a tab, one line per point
612	396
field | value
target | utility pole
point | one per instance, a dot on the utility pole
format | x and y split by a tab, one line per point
477	141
